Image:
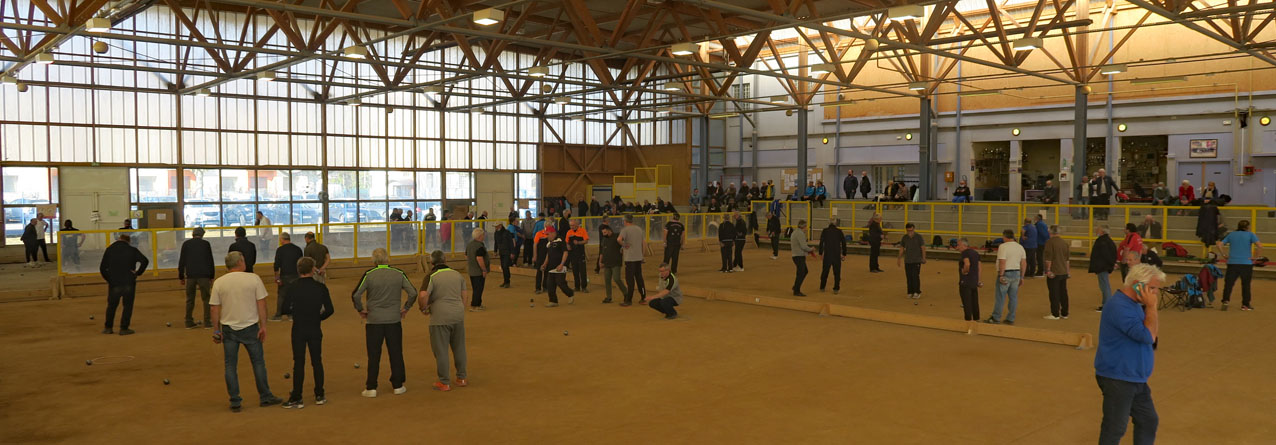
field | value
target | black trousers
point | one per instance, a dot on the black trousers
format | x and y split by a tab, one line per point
44	249
301	341
665	306
1031	263
478	283
1123	401
1243	271
392	335
864	193
775	243
1058	286
874	251
507	261
29	251
116	294
528	248
914	273
580	274
836	265
672	251
633	279
970	301
726	254
540	274
1102	200
800	263
739	253
1125	270
555	282
281	298
1041	261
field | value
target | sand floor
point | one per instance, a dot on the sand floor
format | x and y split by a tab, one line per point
725	373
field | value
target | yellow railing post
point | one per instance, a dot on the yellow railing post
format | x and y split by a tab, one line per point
988	209
355	255
960	223
932	219
154	251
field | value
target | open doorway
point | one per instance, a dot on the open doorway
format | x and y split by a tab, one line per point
1040	163
992	171
1143	160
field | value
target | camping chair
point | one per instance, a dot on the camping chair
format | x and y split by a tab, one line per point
1173	297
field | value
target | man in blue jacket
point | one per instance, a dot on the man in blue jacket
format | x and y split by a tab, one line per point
1028	239
1043	235
1128	330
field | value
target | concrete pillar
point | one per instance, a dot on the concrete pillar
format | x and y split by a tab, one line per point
801	150
1079	120
704	158
925	152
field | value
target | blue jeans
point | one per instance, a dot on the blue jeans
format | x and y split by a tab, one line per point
957	199
1122	402
1011	289
231	339
1105	287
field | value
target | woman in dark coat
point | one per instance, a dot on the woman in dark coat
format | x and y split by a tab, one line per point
1208	222
875	237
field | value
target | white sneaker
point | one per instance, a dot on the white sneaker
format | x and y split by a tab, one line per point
370	393
1050	317
739	269
571	300
400	390
774	257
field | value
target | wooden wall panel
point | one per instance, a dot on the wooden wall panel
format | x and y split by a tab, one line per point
569	170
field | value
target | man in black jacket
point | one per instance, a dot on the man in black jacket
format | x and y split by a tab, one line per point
1104	188
121	265
726	237
865	186
741	235
850	184
773	232
1103	260
503	243
674	235
833	248
308	304
195	270
286	256
245	248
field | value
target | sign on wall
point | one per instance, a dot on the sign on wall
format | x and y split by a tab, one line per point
790	176
1203	148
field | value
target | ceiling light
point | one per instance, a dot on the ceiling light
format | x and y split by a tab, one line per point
433	90
979	93
44	58
562	100
906	12
1264	121
1027	43
723	115
1166	79
578	117
98	24
1122	127
355	52
9	80
917	86
908	136
1014	132
662	110
673	86
354	102
204	92
871	44
1113	69
684	49
779	99
489	16
266	76
538	71
22	87
821	68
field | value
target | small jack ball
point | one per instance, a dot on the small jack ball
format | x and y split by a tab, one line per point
169	324
287	376
166	381
88	363
90	317
356	366
564	332
914	303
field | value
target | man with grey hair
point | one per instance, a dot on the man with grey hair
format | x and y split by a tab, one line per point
238	305
799	249
1057	255
1012	260
286	256
1103	189
384	285
478	265
443	300
1128	332
633	241
1103	260
195	269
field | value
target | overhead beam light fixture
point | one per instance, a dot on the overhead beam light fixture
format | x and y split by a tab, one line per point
355	52
662	111
204	92
9	80
354	102
779	99
433	90
906	12
1118	68
538	71
1028	43
266	76
489	16
673	86
44	58
562	100
917	86
979	93
1153	80
98	24
684	49
723	115
821	68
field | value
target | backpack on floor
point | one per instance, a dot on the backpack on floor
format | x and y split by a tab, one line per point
1193	295
937	241
1174	250
1260	261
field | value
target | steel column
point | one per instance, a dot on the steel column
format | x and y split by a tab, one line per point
704	159
801	150
925	152
1079	120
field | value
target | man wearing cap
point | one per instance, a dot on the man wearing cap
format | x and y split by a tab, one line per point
195	270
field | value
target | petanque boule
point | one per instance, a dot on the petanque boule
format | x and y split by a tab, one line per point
166	381
287	376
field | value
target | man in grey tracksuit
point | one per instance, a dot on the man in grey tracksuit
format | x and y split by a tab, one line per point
384	286
797	244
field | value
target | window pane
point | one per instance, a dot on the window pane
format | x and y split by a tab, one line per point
202	215
526	185
235	215
155	185
15	221
342	212
26	185
372	184
423	209
341	185
460	185
306	184
401	185
238	186
307	213
372	212
429	185
404	209
202	185
279	214
273	185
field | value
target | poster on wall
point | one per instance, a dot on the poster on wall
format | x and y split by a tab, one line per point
1203	148
790	178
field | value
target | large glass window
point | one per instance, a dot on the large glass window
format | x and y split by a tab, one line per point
235	215
202	215
342	185
202	185
309	213
306	185
401	185
154	184
460	185
26	185
372	184
343	212
273	185
279	214
429	185
238	186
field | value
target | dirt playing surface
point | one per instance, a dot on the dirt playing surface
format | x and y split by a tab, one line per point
725	373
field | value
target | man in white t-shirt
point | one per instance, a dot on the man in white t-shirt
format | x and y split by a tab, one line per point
238	306
267	237
1012	259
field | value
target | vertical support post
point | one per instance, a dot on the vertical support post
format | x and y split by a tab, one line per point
1079	119
925	151
801	149
704	159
